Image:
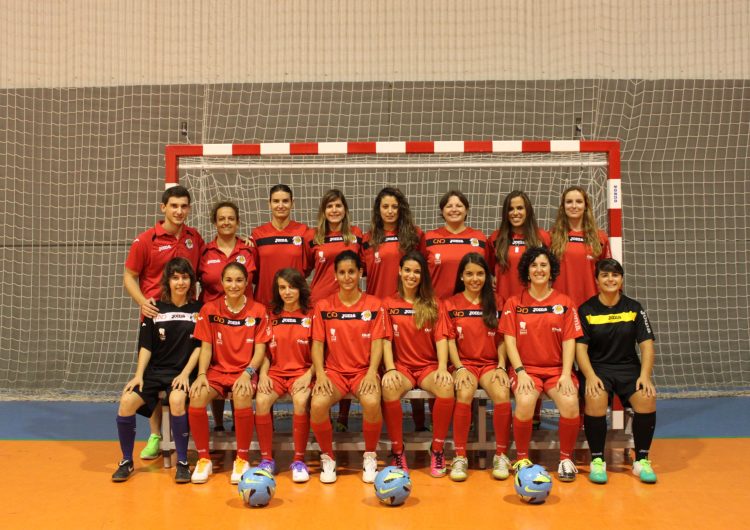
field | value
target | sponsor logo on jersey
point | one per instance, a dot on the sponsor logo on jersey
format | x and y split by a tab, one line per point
164	247
189	244
460	332
576	239
219	338
174	316
213	261
437	259
556	330
377	257
302	341
321	256
612	318
395	330
333	334
365	335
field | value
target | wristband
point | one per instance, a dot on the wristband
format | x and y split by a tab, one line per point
460	368
250	371
202	373
520	369
502	368
389	370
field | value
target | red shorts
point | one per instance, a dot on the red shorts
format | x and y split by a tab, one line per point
478	370
544	378
416	377
222	382
346	383
282	383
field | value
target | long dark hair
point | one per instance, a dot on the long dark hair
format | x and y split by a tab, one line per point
408	238
489	306
425	305
180	266
294	278
530	229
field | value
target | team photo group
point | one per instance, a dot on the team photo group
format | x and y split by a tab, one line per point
522	312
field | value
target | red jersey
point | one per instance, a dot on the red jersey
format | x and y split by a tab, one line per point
289	345
477	345
212	262
381	265
152	249
540	327
577	267
348	331
275	250
320	259
412	347
445	250
232	336
508	282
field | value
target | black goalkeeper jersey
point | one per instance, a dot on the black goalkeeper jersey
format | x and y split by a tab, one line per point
613	332
169	337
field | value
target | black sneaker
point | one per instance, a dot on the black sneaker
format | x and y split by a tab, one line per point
124	470
182	475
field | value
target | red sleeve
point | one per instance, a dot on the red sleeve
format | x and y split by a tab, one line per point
508	318
202	329
447	327
572	324
442	326
491	258
318	329
606	251
545	237
380	331
308	251
138	255
266	333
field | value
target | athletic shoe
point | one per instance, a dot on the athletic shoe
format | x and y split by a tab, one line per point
153	447
218	428
327	469
268	464
300	473
459	469
524	462
182	474
369	466
642	469
598	471
203	468
340	427
124	470
238	469
500	467
437	464
399	460
566	471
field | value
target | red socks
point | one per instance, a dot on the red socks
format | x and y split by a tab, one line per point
568	432
371	432
501	423
264	426
461	426
324	434
199	428
300	433
243	427
442	413
394	421
522	434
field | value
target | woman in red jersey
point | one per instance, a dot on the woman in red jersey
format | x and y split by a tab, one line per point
348	328
446	246
334	234
416	355
278	243
518	231
233	331
478	356
540	326
578	244
225	248
287	369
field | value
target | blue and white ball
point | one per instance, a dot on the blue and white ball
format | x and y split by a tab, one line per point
533	484
392	486
256	487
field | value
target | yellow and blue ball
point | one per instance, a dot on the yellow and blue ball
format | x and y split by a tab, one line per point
392	486
256	487
533	484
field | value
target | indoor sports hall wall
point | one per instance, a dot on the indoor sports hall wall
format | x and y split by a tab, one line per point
91	92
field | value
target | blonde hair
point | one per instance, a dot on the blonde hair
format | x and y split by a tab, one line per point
561	227
322	224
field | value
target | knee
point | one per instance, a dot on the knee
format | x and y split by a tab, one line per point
392	394
465	395
568	408
177	403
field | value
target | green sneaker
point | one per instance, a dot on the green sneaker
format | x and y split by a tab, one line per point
642	469
153	448
598	473
524	462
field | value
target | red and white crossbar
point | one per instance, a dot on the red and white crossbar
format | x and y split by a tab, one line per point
611	149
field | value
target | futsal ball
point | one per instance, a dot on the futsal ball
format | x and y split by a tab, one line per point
533	484
256	487
392	486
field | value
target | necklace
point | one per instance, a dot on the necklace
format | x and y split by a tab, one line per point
226	303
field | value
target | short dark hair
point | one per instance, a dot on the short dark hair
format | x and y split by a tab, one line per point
609	265
453	193
280	187
179	266
225	204
175	191
347	255
528	258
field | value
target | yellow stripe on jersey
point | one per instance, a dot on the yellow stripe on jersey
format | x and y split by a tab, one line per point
627	316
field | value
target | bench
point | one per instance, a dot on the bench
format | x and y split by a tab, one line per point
618	437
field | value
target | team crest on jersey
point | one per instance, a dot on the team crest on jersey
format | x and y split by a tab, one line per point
162	334
296	241
306	322
377	257
558	309
437	259
219	339
189	244
523	330
460	332
321	256
241	259
195	317
333	334
395	330
366	315
250	322
474	242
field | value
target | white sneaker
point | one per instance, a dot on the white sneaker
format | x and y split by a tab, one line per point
203	468
327	469
239	468
300	473
500	467
459	468
369	467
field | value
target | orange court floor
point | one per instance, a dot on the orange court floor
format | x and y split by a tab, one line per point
61	485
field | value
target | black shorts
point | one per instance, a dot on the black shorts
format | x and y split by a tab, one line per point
153	383
618	380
